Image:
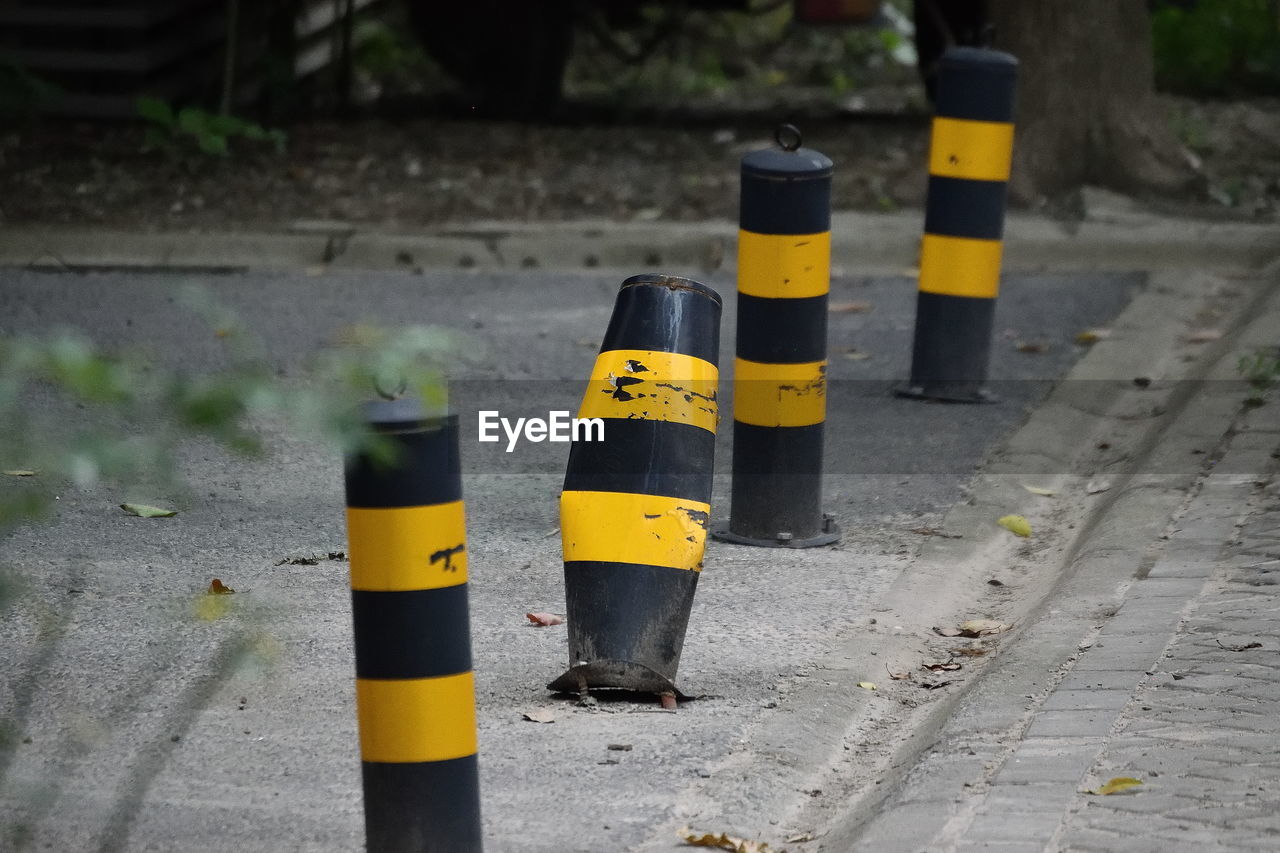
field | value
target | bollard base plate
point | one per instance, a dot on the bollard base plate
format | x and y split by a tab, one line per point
829	535
942	394
614	674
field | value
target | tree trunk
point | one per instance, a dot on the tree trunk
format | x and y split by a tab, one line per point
1087	112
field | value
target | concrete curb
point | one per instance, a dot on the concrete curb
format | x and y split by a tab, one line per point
803	750
863	243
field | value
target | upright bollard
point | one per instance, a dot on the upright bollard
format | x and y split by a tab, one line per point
415	695
969	160
636	505
780	373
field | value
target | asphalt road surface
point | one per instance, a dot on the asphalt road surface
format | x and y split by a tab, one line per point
132	724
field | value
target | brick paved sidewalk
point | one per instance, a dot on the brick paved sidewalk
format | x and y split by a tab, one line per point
1179	689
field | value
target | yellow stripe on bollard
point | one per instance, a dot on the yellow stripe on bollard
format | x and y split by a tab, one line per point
654	386
417	719
395	549
960	266
647	530
977	150
784	266
779	395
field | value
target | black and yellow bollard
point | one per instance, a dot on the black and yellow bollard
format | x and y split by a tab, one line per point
780	373
415	695
969	160
636	505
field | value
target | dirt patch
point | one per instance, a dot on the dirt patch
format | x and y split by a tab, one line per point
406	174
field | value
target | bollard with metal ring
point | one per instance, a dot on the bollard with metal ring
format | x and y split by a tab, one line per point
415	694
969	160
635	506
780	373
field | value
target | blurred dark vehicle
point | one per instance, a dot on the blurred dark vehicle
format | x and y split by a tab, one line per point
511	55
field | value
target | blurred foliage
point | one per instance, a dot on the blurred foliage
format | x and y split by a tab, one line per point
210	133
1217	47
671	51
75	415
1261	369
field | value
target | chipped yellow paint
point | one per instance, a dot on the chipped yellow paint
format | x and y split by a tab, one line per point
784	266
618	527
654	386
977	150
779	395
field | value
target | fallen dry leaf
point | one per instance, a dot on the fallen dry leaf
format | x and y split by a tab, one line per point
849	307
946	632
1015	524
217	587
897	676
800	837
1031	346
1238	648
145	511
21	472
969	651
1037	490
867	685
1091	336
856	354
932	685
543	620
945	666
1094	487
1115	786
722	841
983	628
542	715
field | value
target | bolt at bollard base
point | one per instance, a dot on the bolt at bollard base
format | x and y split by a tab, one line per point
783	538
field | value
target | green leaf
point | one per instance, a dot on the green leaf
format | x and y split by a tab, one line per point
192	120
228	125
1015	524
145	511
212	144
155	110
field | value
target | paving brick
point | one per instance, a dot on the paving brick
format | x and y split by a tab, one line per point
1026	827
1034	762
1067	700
1071	724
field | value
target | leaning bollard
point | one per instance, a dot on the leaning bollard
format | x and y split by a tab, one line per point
969	160
780	373
415	695
635	505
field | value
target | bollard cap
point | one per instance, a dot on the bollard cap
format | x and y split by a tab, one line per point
980	58
402	413
800	164
671	282
976	84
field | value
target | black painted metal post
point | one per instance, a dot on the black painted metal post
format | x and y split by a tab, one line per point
415	694
780	373
636	505
969	161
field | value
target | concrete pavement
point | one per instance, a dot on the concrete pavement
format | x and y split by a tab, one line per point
141	728
1154	659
